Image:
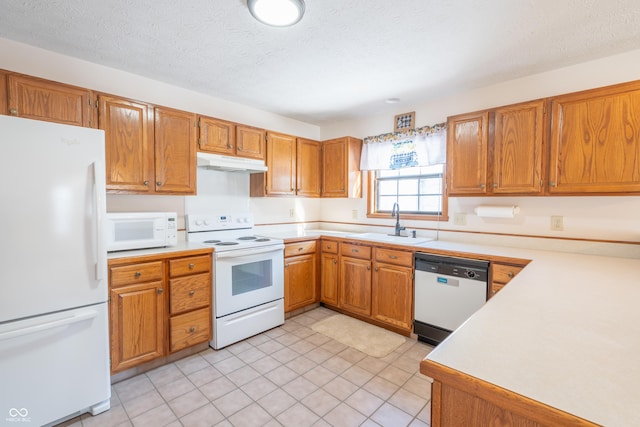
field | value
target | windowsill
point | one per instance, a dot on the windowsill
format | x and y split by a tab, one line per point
410	216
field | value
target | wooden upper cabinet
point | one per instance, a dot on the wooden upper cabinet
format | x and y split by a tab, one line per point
595	141
128	127
216	136
175	151
308	168
3	93
518	147
281	164
250	142
467	147
341	175
38	99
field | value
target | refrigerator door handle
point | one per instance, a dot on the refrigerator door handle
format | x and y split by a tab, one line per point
89	314
97	217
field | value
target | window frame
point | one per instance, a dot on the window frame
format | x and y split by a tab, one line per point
371	201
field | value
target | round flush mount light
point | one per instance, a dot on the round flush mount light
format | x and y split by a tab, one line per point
392	100
277	13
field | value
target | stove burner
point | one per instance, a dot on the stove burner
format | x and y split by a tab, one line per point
211	241
263	239
248	238
227	243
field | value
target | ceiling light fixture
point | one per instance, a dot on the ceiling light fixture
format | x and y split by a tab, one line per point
392	100
277	13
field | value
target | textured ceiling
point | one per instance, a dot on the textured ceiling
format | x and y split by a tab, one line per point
345	56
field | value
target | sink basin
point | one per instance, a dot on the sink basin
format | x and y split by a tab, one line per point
381	237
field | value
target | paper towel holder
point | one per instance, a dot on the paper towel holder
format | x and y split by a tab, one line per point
485	211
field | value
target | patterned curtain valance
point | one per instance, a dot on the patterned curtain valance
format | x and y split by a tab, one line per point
415	147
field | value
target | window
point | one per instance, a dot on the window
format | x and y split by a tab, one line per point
418	191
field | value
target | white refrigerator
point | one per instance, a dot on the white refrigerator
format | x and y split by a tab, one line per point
54	347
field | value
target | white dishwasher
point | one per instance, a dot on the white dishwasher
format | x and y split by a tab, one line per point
448	291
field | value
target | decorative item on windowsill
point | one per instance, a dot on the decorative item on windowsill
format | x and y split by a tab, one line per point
404	121
497	211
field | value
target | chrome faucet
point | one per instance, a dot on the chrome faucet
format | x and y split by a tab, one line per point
395	212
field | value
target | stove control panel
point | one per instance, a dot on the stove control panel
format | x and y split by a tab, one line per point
215	222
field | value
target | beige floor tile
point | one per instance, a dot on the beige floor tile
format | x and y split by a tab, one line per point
417	423
344	416
205	416
251	416
192	364
395	375
380	387
303	332
243	375
301	365
319	355
303	346
285	355
133	387
159	416
419	386
319	375
204	376
143	403
352	355
281	375
165	374
390	416
232	402
112	417
270	347
224	423
188	402
317	339
275	332
266	364
369	423
214	356
288	339
239	347
418	351
300	388
425	414
290	325
364	402
321	423
258	388
297	416
407	364
257	339
340	388
408	402
277	402
372	364
217	388
175	388
357	375
320	402
229	365
337	364
251	355
334	347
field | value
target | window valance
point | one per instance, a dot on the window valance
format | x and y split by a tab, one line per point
415	147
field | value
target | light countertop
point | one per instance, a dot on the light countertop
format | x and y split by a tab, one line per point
180	247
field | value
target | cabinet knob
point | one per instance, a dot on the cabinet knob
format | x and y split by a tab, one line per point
300	248
291	189
13	112
160	290
146	183
510	274
229	146
159	183
328	246
191	266
137	274
192	329
192	293
368	268
482	186
495	185
354	251
553	184
286	266
335	261
239	148
376	269
393	257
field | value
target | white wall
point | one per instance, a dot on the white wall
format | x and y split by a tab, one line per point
607	218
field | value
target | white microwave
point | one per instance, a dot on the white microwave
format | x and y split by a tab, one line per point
141	230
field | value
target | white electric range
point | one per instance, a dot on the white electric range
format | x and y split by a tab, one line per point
248	275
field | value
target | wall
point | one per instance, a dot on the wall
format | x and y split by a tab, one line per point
607	218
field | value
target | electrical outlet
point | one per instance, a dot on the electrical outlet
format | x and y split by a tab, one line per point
460	218
292	213
354	214
557	223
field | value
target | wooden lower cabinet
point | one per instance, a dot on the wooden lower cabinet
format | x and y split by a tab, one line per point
329	272
354	288
501	274
300	275
158	305
392	288
458	399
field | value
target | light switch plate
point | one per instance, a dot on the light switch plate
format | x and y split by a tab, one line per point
460	218
557	223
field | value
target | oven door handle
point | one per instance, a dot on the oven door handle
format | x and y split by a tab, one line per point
246	252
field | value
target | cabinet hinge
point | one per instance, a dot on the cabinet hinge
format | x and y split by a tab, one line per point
200	142
89	101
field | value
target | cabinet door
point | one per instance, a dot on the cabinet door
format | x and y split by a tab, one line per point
175	151
299	281
250	142
518	148
595	141
216	136
393	295
355	285
39	99
467	145
128	134
329	278
334	168
4	102
137	324
308	171
281	161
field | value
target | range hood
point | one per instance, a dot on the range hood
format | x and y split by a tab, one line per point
230	163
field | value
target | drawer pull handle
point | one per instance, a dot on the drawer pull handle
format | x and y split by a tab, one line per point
354	251
328	246
510	274
13	112
192	293
192	266
393	257
137	274
192	329
300	248
160	290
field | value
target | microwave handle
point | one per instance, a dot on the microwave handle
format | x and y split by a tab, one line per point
246	252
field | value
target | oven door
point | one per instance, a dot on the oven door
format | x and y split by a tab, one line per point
246	278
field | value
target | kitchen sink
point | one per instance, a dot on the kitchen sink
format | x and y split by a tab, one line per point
381	237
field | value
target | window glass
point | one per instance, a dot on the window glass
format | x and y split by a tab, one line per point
417	190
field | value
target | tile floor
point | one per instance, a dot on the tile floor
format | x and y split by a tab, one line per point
288	376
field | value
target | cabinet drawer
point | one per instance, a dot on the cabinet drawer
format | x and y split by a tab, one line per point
188	293
330	247
189	329
293	249
495	288
355	251
502	273
391	256
191	265
135	273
